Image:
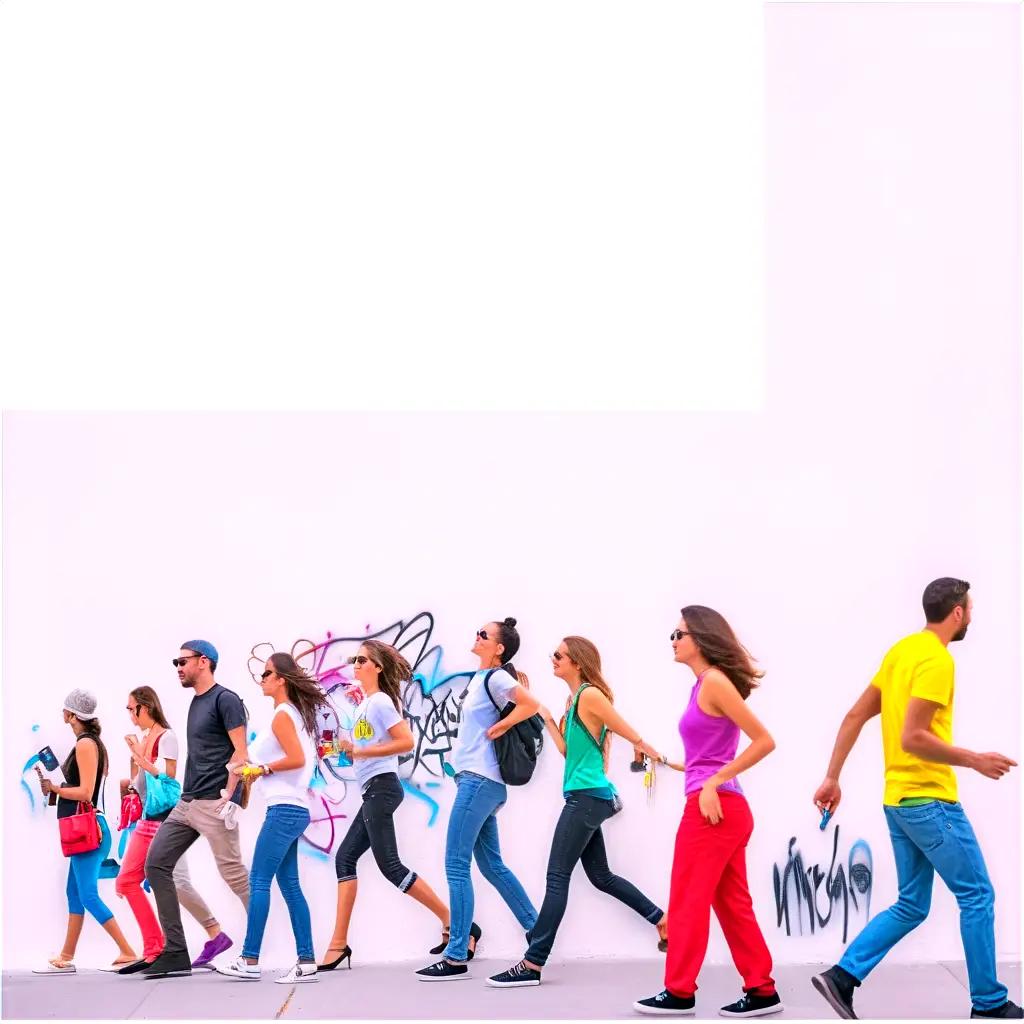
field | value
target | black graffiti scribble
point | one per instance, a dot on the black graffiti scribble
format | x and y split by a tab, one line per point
431	699
842	886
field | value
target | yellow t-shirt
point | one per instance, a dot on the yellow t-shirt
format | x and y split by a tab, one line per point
918	666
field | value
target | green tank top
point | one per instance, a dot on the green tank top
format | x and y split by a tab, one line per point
584	758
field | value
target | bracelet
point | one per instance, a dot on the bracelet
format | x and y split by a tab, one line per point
267	770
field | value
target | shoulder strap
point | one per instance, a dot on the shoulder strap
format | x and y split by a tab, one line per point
101	774
574	710
156	745
487	687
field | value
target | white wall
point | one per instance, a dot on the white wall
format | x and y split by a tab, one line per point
887	454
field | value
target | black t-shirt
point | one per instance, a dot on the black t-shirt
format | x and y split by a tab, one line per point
66	808
210	716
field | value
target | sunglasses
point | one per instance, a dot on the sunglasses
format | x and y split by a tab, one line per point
264	675
557	655
360	659
180	662
482	634
133	710
678	634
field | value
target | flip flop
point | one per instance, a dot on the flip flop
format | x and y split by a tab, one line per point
50	967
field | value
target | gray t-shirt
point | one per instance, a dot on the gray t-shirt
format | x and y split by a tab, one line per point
210	716
374	717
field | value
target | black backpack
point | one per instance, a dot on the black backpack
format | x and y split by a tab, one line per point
518	749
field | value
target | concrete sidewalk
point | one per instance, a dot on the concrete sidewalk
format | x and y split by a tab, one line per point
573	990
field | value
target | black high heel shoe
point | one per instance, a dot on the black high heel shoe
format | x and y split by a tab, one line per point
475	934
446	934
346	954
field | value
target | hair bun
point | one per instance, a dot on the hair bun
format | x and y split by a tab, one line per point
510	622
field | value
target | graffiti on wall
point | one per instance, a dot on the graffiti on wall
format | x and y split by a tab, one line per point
431	703
809	895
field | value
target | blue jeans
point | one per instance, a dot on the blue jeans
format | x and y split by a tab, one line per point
84	873
277	854
929	838
473	832
578	838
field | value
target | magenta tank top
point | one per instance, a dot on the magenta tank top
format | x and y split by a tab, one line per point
710	743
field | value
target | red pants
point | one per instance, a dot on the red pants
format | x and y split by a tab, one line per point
129	885
710	870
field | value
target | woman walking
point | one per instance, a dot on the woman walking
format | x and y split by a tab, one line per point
473	826
584	738
709	870
379	735
84	772
284	756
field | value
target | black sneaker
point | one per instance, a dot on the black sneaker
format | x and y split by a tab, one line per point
1009	1010
667	1004
169	965
139	965
751	1005
443	971
515	977
837	990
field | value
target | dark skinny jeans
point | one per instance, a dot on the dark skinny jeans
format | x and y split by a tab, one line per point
578	838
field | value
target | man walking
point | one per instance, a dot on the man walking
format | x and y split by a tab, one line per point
913	692
216	737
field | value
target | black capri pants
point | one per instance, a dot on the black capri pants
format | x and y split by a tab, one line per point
373	828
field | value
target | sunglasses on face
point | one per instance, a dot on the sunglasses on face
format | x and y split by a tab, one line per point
359	659
557	655
134	710
180	662
264	675
481	634
678	634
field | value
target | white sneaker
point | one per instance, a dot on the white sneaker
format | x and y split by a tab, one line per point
300	974
239	969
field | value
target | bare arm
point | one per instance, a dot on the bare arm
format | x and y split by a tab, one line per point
595	703
919	740
526	705
238	741
286	734
726	700
553	730
868	705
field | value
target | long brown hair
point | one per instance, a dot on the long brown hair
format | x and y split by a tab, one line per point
302	690
146	696
394	669
718	643
587	658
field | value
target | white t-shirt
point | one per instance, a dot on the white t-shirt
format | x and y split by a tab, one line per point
374	717
288	787
167	749
473	751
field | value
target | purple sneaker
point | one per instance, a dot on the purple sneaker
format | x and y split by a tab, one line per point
214	947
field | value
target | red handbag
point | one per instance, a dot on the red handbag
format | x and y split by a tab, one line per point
131	809
80	832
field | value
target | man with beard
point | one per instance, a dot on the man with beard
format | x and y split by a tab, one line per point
216	737
913	692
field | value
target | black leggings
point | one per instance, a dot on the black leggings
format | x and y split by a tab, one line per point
373	828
